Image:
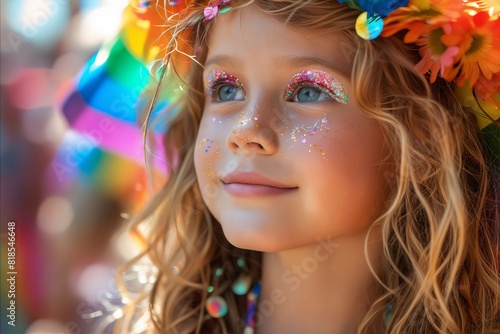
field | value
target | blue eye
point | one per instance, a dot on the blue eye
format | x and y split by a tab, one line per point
228	92
310	94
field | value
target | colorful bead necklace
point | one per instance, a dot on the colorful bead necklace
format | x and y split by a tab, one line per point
252	298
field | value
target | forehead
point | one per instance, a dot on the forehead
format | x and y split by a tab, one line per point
249	34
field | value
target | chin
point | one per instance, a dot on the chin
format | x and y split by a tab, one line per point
245	239
259	239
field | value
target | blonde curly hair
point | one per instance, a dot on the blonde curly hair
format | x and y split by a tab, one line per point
440	265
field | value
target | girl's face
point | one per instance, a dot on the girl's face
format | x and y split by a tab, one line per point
284	157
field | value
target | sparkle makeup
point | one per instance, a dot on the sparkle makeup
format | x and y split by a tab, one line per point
303	132
246	118
217	77
208	145
320	80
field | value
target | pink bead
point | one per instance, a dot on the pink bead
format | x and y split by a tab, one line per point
216	306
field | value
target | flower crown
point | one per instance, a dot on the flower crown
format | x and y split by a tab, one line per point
459	40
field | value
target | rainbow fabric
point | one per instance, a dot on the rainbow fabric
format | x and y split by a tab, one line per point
104	147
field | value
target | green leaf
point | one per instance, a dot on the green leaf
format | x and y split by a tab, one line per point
224	10
491	137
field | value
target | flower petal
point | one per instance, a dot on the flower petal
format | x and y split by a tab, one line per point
210	11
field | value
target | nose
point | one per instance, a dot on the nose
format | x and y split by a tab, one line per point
253	133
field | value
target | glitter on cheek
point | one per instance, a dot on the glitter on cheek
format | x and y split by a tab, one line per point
315	146
216	120
207	146
319	126
306	133
319	149
313	131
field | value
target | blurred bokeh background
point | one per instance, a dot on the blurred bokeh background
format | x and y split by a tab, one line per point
69	197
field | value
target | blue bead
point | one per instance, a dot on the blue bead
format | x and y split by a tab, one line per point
241	285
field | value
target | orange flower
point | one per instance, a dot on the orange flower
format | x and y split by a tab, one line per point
418	12
481	50
436	56
487	90
458	40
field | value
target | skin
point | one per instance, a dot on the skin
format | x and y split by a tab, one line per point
313	235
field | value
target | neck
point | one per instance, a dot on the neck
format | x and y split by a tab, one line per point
322	288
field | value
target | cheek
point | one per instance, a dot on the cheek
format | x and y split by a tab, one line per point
347	143
206	152
207	149
304	138
343	175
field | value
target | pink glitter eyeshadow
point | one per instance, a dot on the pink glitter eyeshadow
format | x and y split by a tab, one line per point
320	80
216	77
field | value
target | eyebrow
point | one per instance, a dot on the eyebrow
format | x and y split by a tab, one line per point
308	61
224	60
293	61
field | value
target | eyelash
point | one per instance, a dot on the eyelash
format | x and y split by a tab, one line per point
291	92
317	79
218	78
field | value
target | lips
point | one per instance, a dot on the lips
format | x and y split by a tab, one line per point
251	184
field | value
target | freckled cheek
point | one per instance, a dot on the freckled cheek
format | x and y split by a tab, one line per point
354	154
331	149
210	142
307	138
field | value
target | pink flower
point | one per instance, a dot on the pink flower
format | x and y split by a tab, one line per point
211	11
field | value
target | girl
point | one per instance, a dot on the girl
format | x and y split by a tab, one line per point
324	183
